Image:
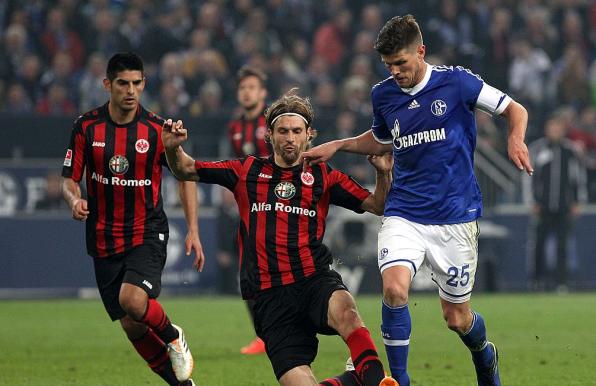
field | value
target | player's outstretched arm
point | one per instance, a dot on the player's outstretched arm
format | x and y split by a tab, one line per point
363	144
181	164
71	191
517	120
375	203
188	198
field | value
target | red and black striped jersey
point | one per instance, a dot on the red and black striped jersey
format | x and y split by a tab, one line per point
282	216
247	137
123	165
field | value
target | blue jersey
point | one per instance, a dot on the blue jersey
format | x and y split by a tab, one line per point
433	131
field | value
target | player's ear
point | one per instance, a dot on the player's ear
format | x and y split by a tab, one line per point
267	138
107	84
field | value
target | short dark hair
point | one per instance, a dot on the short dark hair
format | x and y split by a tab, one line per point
123	61
247	71
398	33
290	102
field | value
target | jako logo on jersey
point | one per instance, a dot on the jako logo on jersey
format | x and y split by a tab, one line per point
117	181
285	190
142	146
438	107
68	158
280	207
307	178
149	285
98	144
419	138
263	175
118	164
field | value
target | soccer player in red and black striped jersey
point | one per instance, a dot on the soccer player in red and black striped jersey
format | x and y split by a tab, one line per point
284	266
119	146
247	133
246	136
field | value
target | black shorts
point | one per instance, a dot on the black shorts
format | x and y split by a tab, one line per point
141	266
289	317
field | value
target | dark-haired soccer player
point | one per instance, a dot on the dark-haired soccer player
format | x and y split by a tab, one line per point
424	115
119	145
246	136
284	265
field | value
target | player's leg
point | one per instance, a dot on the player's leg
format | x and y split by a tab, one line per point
298	376
256	346
343	317
401	252
109	273
138	297
540	270
453	256
471	329
151	348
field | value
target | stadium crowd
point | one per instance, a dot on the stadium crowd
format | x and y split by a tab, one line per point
541	52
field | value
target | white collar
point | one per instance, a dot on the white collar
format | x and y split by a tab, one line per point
414	90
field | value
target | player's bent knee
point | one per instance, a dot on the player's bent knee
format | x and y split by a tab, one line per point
456	321
395	294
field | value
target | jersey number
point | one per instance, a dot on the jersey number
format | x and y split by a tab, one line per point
455	276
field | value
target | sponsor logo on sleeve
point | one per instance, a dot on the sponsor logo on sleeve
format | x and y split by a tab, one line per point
68	158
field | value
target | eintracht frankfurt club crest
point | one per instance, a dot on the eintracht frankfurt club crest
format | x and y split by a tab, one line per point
118	164
285	190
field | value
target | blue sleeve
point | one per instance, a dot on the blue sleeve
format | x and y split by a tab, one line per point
379	128
470	86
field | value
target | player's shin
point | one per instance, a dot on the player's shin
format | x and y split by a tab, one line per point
484	353
156	318
364	355
396	329
153	351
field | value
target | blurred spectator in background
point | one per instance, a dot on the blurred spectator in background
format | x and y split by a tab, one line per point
246	134
56	102
91	89
17	101
558	187
53	199
58	37
29	75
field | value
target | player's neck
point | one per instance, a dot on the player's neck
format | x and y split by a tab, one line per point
255	111
279	161
119	116
422	74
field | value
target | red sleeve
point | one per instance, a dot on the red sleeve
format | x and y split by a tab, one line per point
345	191
224	173
74	160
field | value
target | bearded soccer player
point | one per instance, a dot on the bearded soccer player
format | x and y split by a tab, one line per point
247	136
284	266
424	115
119	146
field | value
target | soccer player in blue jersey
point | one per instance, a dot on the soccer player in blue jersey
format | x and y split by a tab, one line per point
424	114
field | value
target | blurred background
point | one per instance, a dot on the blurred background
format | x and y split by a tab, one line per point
53	56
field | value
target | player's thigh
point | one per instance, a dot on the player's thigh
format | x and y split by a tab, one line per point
279	322
400	243
144	266
453	258
109	273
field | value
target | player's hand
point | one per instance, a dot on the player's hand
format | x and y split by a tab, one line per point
319	154
194	242
383	163
519	155
173	134
79	209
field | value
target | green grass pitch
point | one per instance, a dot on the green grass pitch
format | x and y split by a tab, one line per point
543	340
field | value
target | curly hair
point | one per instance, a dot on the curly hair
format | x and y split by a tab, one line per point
398	33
